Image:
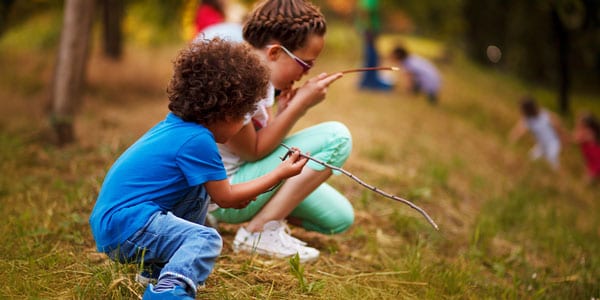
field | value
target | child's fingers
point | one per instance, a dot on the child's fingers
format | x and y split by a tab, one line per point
296	157
295	154
303	160
329	79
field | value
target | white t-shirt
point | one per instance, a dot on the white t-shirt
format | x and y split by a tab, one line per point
231	160
227	31
542	129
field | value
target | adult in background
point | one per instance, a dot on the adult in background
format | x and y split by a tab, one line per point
370	23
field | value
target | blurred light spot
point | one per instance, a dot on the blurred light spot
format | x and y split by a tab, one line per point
494	53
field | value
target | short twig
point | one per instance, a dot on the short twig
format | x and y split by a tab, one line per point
370	187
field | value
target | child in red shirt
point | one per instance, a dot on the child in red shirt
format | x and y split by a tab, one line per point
587	135
209	12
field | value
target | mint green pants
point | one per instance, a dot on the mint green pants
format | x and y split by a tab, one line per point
325	210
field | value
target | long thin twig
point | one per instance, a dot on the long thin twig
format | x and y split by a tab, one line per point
370	69
368	186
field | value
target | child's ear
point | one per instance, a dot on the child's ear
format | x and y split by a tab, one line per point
273	53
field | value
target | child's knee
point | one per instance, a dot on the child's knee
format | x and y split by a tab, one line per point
343	223
211	240
337	221
340	132
341	141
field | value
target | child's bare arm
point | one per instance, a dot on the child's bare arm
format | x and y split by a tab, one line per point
253	145
558	127
240	195
517	131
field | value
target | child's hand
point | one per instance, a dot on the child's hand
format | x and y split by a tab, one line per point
315	89
284	99
293	164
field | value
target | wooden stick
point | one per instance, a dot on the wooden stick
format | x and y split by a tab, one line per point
370	187
370	69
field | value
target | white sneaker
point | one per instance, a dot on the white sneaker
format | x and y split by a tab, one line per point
275	241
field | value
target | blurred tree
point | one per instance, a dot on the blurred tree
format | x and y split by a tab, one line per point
5	7
342	7
543	41
112	17
71	64
13	13
441	19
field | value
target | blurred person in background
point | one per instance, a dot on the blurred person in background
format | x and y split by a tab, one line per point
546	129
209	12
422	75
587	135
369	23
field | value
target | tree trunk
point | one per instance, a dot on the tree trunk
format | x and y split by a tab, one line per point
5	7
562	36
112	15
69	76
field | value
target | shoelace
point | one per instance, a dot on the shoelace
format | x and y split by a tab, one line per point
288	240
287	230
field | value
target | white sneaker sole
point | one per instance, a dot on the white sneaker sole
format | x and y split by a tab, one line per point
243	247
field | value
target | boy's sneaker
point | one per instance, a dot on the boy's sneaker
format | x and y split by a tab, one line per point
176	293
144	279
275	241
148	275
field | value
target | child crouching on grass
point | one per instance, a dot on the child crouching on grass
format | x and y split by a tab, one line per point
153	201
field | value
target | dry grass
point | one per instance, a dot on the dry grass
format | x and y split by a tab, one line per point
509	228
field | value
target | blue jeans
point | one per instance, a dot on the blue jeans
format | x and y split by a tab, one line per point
175	243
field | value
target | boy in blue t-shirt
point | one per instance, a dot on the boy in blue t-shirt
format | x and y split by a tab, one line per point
154	198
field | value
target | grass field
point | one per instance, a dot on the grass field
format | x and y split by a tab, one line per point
509	228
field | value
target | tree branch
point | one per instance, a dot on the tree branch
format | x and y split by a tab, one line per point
368	186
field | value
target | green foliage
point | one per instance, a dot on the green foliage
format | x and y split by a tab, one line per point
155	22
297	269
14	13
442	19
40	32
508	227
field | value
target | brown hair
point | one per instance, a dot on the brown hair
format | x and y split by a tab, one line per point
400	53
289	22
216	80
529	107
590	121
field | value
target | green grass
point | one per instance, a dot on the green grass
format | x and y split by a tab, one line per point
509	228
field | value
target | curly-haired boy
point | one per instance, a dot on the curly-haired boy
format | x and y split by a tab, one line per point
154	198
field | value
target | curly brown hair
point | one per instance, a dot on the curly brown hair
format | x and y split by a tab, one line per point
216	80
289	22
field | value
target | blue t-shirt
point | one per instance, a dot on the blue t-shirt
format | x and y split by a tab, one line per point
153	175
